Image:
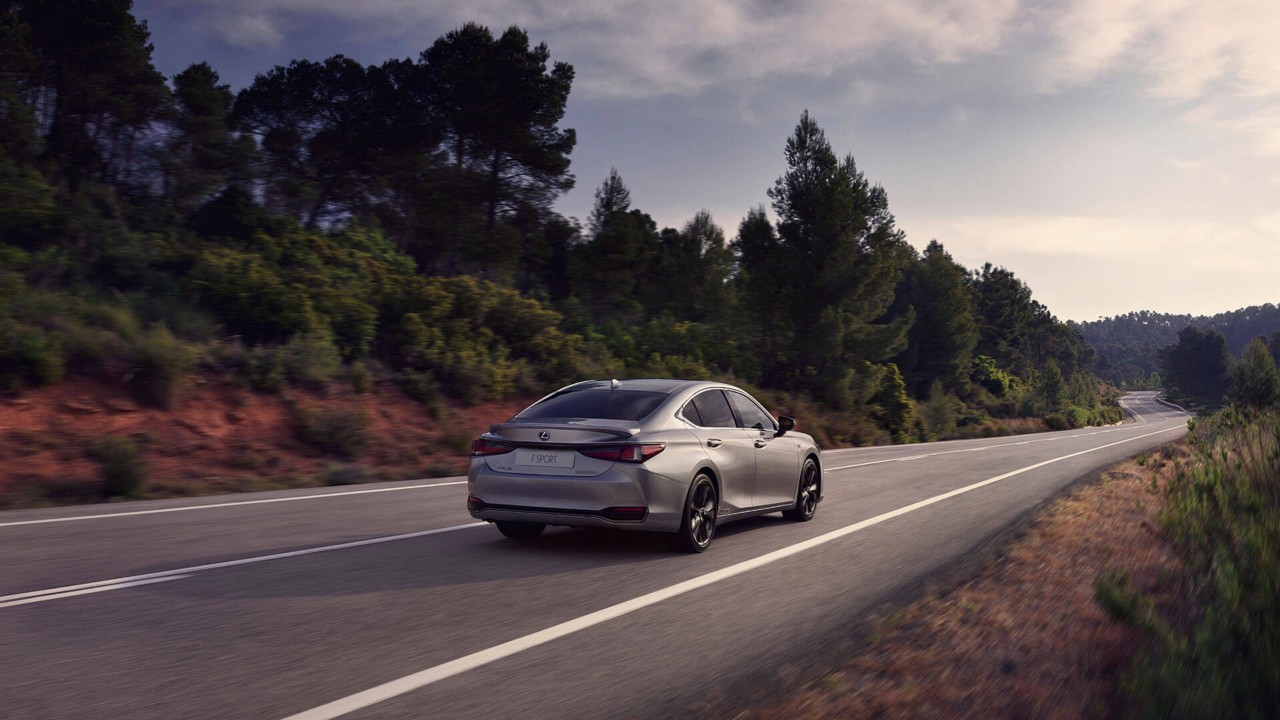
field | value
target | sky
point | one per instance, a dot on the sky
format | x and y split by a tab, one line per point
1116	155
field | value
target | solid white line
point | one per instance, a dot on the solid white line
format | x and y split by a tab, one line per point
87	591
420	679
63	591
951	452
227	504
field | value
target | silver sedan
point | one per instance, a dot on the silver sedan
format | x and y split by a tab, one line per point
676	456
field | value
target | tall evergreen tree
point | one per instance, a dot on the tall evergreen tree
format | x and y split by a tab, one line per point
689	279
842	257
93	75
941	340
1197	365
761	292
323	133
500	106
613	196
608	268
1254	380
203	154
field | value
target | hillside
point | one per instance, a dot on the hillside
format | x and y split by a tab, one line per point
56	442
1128	345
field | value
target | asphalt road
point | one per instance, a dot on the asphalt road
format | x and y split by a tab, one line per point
388	601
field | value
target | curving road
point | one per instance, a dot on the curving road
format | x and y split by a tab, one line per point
388	601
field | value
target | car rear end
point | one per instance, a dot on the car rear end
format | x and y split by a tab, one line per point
618	472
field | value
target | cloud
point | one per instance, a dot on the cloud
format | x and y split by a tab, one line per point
247	29
650	48
1125	263
1184	47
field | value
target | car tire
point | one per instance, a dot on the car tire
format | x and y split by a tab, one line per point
520	530
698	521
807	494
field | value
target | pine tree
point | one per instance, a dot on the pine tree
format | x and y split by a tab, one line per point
1254	380
840	259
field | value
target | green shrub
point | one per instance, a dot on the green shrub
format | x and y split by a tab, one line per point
124	469
939	412
347	474
359	376
226	355
311	360
28	356
160	366
336	431
1077	416
420	386
1057	422
265	369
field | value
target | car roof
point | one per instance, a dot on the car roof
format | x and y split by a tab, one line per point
666	385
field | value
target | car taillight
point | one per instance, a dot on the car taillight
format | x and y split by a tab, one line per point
626	453
480	446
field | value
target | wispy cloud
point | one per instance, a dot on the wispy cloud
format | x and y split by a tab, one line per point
659	47
1129	263
646	48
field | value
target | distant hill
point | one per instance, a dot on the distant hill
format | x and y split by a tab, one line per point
1128	345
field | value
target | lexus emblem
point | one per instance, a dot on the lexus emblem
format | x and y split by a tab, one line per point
544	435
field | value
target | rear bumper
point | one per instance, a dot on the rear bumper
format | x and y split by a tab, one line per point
610	499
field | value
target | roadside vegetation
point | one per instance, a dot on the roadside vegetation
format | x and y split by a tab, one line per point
337	225
1214	649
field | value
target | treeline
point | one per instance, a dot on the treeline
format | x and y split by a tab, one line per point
1200	369
335	221
1128	346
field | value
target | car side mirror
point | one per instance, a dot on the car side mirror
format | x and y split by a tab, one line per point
785	424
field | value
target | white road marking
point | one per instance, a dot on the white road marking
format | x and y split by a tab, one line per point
227	504
952	452
440	672
43	595
115	583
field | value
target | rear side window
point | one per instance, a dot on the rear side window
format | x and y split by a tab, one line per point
599	403
751	414
712	409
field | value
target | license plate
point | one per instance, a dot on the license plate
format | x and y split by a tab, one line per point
545	458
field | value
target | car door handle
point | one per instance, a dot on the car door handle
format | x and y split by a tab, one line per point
714	442
761	443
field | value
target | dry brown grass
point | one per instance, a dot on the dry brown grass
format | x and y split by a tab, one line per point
1025	639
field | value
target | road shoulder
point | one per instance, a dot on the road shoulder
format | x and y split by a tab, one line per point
1022	638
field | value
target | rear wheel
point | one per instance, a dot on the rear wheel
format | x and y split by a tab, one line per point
807	494
520	530
698	526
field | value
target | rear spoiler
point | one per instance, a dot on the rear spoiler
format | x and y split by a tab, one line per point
610	429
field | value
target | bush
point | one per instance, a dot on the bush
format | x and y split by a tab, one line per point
265	369
337	431
311	360
1077	416
28	356
347	474
1057	422
124	469
160	366
360	376
420	386
940	412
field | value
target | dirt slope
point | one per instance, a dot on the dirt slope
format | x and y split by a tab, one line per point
221	437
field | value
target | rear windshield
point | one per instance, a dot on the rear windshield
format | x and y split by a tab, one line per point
599	403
